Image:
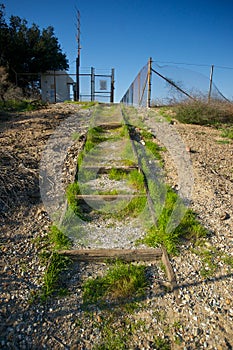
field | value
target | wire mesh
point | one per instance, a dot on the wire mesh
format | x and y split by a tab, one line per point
170	83
136	95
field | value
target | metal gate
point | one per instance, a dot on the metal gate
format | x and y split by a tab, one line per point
94	85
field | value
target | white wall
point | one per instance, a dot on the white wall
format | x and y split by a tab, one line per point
58	82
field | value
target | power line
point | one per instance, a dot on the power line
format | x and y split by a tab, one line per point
193	64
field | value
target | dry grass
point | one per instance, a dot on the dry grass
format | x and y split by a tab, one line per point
204	113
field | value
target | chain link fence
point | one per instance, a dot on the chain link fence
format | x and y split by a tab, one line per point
165	84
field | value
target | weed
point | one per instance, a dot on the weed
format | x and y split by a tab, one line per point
21	105
228	260
58	238
161	343
223	142
228	132
122	281
83	104
117	174
114	334
154	149
188	228
166	112
210	258
71	192
136	179
133	208
57	264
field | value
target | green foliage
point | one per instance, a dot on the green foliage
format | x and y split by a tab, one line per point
28	49
117	174
132	208
121	281
188	228
136	179
228	132
154	149
58	238
57	264
71	192
20	105
210	258
162	344
84	104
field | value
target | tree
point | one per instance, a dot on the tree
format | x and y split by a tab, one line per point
25	49
7	89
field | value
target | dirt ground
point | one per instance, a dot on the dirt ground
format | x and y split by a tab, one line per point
23	218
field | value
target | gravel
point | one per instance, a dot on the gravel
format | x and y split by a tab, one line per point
202	315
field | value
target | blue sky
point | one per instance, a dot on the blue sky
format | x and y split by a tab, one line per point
123	34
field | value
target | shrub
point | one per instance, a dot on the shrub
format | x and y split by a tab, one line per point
204	113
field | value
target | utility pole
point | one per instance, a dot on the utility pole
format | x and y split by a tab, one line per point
78	58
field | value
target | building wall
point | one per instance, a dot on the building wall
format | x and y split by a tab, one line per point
55	86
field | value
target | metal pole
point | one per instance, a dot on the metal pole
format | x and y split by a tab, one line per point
139	80
78	60
149	82
77	80
211	82
92	84
112	86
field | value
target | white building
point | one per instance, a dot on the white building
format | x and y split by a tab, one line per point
56	86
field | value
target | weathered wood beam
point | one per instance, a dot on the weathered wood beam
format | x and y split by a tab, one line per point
101	255
107	197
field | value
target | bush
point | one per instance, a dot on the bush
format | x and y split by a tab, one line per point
204	113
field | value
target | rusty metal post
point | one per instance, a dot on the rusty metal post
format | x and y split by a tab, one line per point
149	74
112	86
77	97
92	84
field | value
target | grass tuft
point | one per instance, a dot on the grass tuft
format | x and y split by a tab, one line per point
189	227
58	239
122	281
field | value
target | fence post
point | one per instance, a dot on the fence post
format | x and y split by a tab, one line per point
92	84
112	86
211	82
149	82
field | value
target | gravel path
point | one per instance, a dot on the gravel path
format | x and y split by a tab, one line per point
203	316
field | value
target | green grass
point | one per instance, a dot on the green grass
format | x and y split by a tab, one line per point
223	142
72	191
56	265
58	239
117	174
188	228
154	149
20	105
210	258
54	262
228	132
122	281
130	209
161	344
136	179
83	104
